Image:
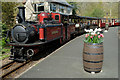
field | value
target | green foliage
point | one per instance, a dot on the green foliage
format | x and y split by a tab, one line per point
94	39
74	4
3	42
8	19
8	9
0	29
95	9
4	28
0	44
4	31
3	56
97	13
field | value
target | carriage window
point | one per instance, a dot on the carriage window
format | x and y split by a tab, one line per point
56	17
70	20
116	20
68	10
103	21
50	7
61	8
41	8
53	7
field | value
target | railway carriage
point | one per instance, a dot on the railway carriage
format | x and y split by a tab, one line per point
116	22
102	22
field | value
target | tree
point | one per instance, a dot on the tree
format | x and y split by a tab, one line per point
8	18
74	4
100	9
8	9
97	13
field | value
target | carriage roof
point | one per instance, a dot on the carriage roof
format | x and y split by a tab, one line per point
89	18
63	2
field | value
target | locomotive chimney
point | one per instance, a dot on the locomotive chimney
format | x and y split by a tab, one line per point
22	14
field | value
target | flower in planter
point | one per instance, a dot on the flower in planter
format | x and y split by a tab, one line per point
86	35
94	36
99	36
91	36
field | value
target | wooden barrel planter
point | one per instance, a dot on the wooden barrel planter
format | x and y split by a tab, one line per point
93	57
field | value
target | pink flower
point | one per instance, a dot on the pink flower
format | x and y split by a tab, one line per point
91	36
86	35
99	36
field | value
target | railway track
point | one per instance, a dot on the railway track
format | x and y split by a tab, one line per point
11	67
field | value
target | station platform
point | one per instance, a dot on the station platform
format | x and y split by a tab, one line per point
67	61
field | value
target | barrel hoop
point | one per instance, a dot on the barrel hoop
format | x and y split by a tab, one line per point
92	71
93	53
94	46
91	68
94	43
93	61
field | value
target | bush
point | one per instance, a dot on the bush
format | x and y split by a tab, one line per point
3	42
4	32
8	19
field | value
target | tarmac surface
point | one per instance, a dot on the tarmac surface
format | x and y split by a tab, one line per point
67	62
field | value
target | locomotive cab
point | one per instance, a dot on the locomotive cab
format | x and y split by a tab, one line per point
45	18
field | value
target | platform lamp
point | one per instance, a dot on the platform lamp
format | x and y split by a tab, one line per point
107	23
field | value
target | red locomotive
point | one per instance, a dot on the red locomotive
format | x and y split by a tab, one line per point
25	35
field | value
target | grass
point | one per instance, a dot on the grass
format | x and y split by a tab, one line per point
5	53
4	56
6	50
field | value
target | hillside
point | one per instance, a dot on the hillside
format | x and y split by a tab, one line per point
96	9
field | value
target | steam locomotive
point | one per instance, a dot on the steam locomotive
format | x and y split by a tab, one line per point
25	37
28	38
